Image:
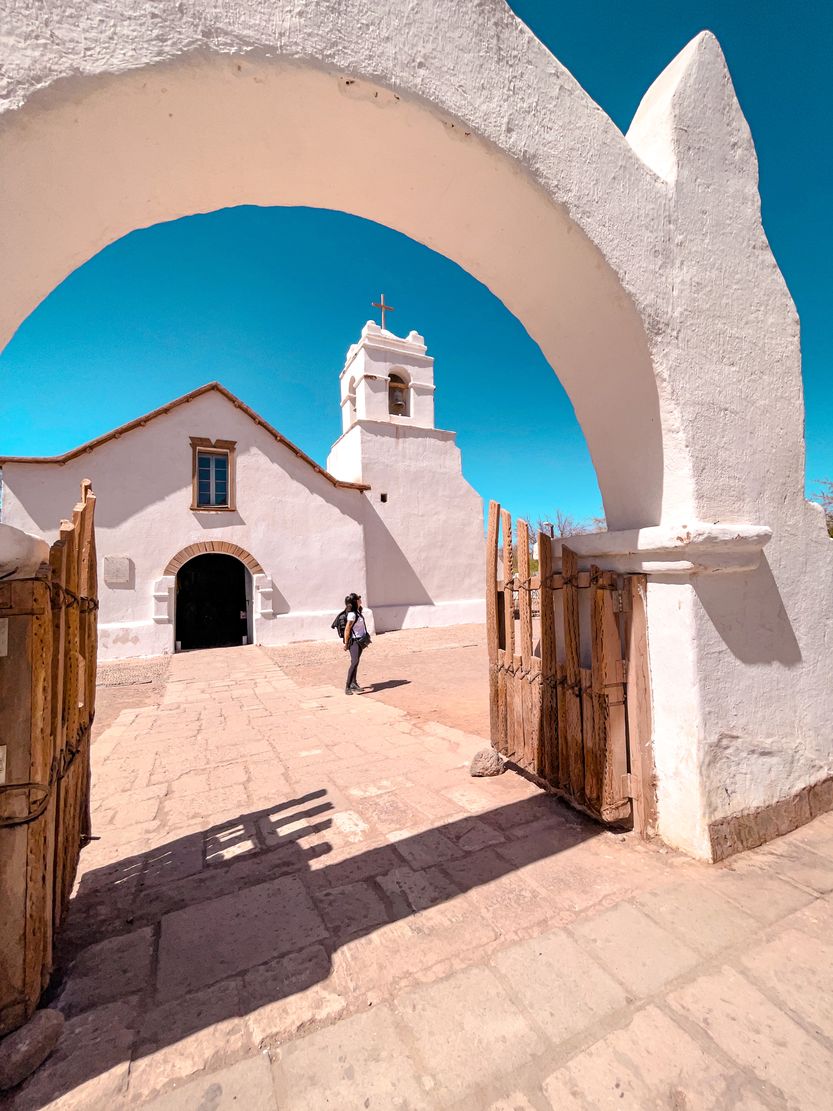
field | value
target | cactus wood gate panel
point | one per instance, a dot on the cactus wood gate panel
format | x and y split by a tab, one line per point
47	701
569	689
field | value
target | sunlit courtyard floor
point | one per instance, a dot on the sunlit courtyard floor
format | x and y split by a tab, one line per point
301	900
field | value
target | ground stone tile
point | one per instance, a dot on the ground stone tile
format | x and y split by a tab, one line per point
439	938
409	891
233	933
698	915
430	803
351	910
760	1036
473	834
474	799
424	848
358	1064
183	1037
227	775
760	894
816	919
563	989
244	1085
371	860
282	997
479	868
650	1063
640	954
174	860
794	861
465	1018
349	826
108	971
387	811
798	973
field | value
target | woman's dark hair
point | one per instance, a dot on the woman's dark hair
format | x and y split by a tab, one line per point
351	603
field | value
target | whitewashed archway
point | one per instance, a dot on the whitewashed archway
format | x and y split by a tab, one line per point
637	262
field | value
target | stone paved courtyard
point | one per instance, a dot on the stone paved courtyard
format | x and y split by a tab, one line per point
299	900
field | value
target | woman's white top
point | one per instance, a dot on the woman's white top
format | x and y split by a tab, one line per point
359	629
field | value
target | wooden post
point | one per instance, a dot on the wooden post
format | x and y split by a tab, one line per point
529	686
549	663
88	590
588	732
609	746
65	843
492	632
572	694
639	718
507	687
25	714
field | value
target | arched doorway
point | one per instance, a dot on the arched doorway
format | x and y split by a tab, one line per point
211	602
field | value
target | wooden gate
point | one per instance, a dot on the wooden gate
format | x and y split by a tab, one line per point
47	700
568	674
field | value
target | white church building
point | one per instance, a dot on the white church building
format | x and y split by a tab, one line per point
213	529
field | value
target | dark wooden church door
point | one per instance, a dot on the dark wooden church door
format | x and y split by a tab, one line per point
211	602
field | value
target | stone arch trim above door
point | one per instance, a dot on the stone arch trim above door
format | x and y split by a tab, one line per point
204	547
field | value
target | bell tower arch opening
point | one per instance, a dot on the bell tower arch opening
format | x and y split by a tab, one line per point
399	394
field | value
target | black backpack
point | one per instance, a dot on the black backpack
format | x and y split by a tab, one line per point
340	624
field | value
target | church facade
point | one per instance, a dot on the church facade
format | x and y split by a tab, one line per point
214	529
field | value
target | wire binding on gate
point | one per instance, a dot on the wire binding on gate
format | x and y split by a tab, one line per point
58	769
61	597
34	811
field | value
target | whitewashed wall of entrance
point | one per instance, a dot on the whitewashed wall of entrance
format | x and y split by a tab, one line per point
305	533
639	265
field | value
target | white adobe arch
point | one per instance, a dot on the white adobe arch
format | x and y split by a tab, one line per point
638	263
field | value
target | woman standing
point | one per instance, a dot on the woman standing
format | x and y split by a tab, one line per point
355	639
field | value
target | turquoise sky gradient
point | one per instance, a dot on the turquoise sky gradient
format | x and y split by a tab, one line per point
268	300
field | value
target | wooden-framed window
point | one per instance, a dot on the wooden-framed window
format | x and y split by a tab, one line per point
213	481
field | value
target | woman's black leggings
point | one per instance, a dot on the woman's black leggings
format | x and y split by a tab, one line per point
355	655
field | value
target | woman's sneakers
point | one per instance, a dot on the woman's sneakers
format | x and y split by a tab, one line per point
348	690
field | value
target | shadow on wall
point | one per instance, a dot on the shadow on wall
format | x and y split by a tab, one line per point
226	519
219	923
749	615
393	585
280	605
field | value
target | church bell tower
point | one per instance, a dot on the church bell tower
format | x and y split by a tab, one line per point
418	504
387	379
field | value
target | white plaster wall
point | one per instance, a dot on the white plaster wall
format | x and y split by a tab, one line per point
306	534
425	547
759	641
638	264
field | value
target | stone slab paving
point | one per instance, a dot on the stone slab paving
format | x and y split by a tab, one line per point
302	900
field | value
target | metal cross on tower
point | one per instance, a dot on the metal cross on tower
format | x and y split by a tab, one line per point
380	304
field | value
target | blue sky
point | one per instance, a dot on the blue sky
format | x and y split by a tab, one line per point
268	300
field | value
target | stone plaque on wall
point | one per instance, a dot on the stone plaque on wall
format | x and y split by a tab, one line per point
118	570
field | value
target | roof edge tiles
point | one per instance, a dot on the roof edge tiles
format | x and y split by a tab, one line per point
139	422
